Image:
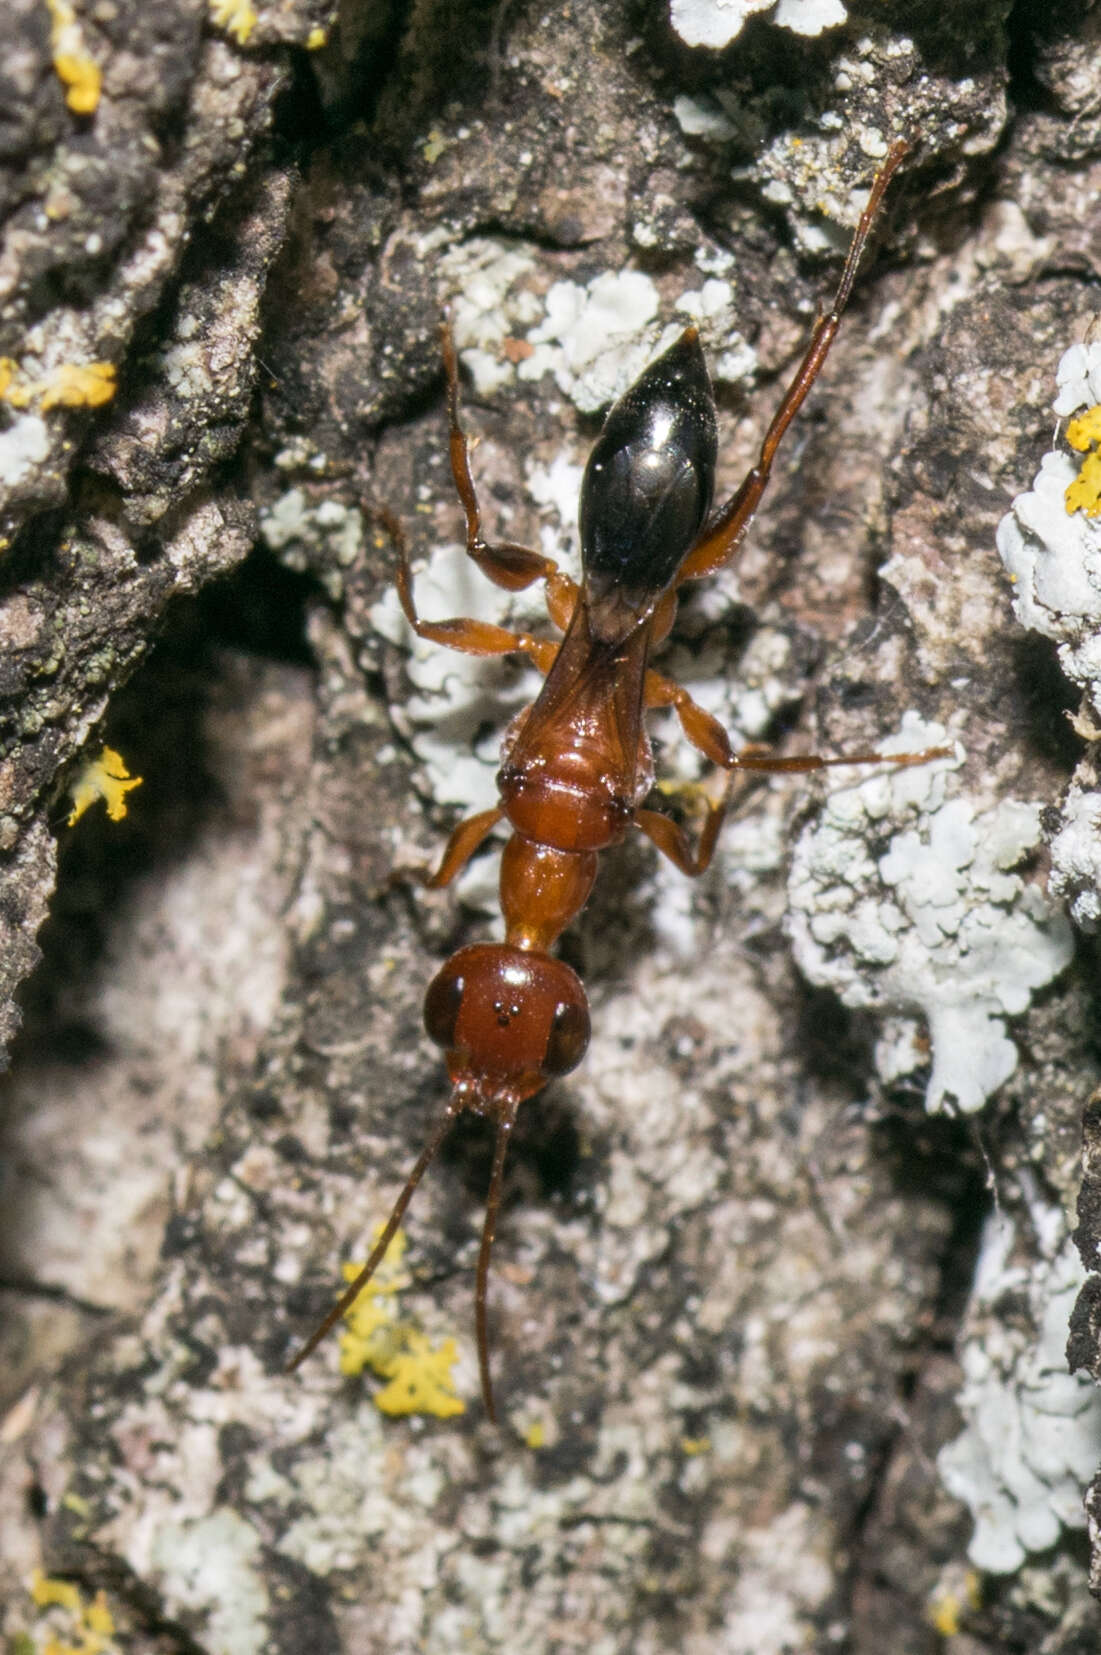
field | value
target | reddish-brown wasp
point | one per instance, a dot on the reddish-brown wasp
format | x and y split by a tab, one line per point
573	777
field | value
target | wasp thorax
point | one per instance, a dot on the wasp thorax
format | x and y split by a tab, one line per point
510	1019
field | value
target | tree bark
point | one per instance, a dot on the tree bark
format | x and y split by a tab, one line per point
735	1309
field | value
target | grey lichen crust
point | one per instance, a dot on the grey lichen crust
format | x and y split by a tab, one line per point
101	210
761	1354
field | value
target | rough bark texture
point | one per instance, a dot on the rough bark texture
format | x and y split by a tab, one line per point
733	1281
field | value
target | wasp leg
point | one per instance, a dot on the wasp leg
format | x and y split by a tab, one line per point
709	738
505	564
761	759
720	540
464	841
672	841
463	633
702	729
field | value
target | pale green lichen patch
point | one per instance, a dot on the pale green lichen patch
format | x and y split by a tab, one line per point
596	339
298	522
490	306
1030	1426
212	1565
205	1560
939	925
460	705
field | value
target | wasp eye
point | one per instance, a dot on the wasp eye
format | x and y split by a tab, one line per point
442	1004
568	1039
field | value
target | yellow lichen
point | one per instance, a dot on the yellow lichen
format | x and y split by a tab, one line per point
83	78
418	1374
316	38
91	1625
434	146
106	778
98	1618
944	1614
1085	430
75	68
1084	494
536	1434
15	388
79	385
695	1445
369	1322
948	1603
72	385
235	17
45	1592
420	1379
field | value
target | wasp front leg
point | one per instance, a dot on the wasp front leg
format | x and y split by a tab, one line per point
463	633
507	565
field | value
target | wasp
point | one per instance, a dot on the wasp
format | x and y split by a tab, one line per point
577	767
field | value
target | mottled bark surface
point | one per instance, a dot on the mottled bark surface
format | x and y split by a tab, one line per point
733	1309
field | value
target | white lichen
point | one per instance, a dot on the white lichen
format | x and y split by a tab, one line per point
1053	555
594	338
713	307
481	281
716	23
1054	561
597	339
1050	543
905	900
1078	377
703	117
23	446
1076	857
809	17
1032	1429
211	1566
294	523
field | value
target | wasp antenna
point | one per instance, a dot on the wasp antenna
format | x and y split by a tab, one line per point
378	1252
505	1123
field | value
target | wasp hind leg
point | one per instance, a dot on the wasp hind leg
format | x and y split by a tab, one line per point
721	538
